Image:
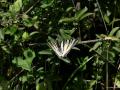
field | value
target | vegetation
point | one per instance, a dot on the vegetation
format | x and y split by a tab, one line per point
59	44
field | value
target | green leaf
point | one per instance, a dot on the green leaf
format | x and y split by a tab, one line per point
25	16
16	6
27	23
85	15
69	9
45	52
86	60
90	84
33	33
29	54
69	32
113	31
65	60
116	49
6	49
106	18
66	34
34	18
117	80
114	20
118	34
25	36
37	86
95	46
25	63
79	16
23	79
47	3
11	31
36	24
80	13
21	63
1	35
67	20
41	86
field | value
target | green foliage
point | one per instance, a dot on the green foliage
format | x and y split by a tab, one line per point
16	6
117	80
47	3
81	14
27	61
66	34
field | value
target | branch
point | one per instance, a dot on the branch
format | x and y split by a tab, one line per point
32	7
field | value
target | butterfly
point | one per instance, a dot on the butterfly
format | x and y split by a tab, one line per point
62	48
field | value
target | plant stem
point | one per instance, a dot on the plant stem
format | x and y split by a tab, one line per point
114	14
73	4
106	75
107	85
102	16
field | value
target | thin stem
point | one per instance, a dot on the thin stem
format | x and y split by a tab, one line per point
107	85
73	4
118	67
114	14
31	7
92	41
79	42
102	16
107	76
79	32
18	75
77	7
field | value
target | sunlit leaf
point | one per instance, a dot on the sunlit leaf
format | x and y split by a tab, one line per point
23	79
69	9
85	15
25	36
67	20
41	86
96	46
21	63
6	49
16	6
27	22
1	35
29	54
117	80
113	31
45	52
11	31
116	49
34	33
47	3
118	34
25	63
106	18
37	86
80	13
66	34
36	24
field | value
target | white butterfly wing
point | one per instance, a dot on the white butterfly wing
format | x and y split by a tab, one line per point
55	48
63	48
68	46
